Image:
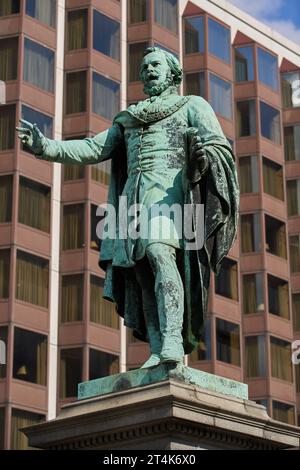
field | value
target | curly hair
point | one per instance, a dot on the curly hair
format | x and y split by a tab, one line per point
172	61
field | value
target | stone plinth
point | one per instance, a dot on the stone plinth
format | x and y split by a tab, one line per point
165	414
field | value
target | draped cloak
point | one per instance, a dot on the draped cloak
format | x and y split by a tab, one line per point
217	189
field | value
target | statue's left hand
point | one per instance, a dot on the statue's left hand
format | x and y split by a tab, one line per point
198	155
198	160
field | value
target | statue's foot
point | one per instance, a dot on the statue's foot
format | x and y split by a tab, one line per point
172	350
153	360
164	358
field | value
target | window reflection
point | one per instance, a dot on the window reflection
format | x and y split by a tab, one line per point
244	66
221	96
290	89
106	35
106	96
219	40
38	65
270	123
268	69
194	35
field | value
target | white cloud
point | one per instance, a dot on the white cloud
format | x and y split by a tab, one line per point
266	11
287	29
259	8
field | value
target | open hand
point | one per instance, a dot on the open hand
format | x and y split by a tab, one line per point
32	137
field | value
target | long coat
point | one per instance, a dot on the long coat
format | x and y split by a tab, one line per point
218	190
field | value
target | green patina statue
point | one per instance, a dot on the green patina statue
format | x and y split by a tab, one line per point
167	149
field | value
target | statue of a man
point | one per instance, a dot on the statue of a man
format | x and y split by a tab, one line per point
160	287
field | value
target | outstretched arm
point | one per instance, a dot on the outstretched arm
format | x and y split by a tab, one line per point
86	151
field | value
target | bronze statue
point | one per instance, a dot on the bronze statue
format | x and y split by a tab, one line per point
167	149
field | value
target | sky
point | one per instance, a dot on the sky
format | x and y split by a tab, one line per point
281	15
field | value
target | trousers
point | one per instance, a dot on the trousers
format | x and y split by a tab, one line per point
163	300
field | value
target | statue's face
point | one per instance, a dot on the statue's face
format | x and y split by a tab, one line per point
155	73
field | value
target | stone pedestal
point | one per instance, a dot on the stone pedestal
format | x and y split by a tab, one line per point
162	408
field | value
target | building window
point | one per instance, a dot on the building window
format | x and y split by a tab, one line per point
106	35
250	233
164	48
244	64
101	172
194	35
101	311
283	412
43	122
253	293
226	282
4	273
281	363
102	364
294	243
255	356
2	428
165	14
275	231
77	29
248	174
268	69
8	59
135	57
3	351
7	127
292	143
138	11
6	186
293	197
73	172
219	40
38	65
278	293
34	204
70	372
290	89
76	92
9	7
221	96
30	356
72	298
195	84
228	342
42	10
73	227
270	123
296	311
203	351
273	179
22	419
246	118
106	96
32	279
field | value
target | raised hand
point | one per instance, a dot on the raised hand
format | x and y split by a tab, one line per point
32	137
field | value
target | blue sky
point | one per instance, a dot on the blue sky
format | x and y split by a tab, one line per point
281	15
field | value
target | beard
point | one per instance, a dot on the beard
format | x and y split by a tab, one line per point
160	87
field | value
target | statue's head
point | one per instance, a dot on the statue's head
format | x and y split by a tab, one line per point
159	70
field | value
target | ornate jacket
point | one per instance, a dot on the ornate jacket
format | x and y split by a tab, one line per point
149	156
